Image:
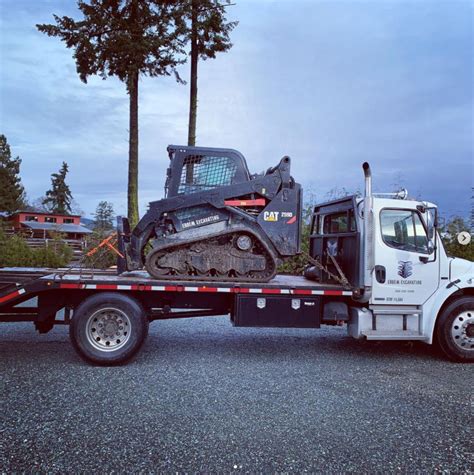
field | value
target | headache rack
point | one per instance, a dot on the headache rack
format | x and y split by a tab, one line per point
335	242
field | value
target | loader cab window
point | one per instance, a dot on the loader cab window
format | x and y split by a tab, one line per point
404	230
203	172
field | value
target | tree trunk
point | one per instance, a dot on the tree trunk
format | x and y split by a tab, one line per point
193	81
133	216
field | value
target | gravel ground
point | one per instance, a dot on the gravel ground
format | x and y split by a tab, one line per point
203	396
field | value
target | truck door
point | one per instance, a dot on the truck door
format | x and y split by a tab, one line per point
406	270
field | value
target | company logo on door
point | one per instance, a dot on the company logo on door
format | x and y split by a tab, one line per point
405	270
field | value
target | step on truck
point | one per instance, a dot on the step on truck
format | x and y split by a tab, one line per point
376	265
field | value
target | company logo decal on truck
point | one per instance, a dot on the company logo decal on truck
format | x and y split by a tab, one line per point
405	269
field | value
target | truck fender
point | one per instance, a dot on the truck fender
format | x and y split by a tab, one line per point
446	294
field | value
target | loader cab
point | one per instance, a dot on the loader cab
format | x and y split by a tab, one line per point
197	169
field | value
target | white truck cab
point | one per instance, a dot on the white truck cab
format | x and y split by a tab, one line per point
389	250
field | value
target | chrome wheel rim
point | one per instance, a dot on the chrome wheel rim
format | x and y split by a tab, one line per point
462	330
108	329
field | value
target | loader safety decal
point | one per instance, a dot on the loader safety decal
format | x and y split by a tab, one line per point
204	288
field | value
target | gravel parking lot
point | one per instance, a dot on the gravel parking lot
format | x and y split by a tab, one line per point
203	396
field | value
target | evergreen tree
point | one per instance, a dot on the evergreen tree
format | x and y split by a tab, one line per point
450	232
126	39
104	216
471	227
58	198
208	33
12	194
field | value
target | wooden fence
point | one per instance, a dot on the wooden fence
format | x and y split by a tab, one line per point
77	246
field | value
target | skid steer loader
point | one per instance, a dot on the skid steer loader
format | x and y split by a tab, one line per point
216	222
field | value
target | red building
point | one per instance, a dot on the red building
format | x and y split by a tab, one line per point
41	225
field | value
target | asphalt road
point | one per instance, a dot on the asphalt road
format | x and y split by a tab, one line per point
203	396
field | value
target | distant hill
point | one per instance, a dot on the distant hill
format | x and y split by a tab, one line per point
88	223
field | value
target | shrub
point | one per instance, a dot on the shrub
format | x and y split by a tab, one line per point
296	264
15	252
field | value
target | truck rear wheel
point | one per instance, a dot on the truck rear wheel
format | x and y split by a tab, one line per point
108	328
455	330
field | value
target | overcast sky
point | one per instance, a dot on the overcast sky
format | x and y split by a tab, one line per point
330	83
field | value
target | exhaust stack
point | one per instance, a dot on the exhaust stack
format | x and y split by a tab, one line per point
368	179
368	234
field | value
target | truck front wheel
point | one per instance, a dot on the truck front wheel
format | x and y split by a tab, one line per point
108	328
455	330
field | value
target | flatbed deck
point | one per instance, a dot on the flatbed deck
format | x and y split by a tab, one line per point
141	280
25	282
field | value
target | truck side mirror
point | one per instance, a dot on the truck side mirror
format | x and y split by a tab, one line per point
431	224
431	248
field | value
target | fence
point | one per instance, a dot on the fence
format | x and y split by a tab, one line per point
77	245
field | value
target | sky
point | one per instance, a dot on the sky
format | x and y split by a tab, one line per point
330	83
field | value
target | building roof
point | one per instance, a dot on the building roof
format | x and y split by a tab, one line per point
60	228
45	213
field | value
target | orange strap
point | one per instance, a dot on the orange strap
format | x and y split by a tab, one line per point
108	242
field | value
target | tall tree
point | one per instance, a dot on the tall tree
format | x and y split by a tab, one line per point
126	39
12	193
104	216
58	198
208	33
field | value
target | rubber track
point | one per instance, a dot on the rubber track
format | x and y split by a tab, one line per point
220	278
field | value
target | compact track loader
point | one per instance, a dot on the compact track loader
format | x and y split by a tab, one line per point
216	221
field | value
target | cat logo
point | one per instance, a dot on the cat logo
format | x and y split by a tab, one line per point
271	216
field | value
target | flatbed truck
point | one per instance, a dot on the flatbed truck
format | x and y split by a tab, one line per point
381	270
